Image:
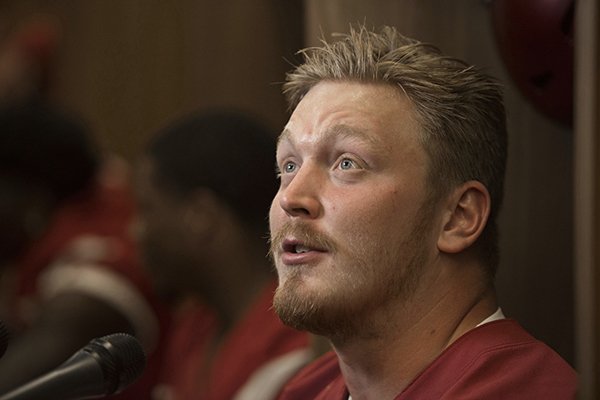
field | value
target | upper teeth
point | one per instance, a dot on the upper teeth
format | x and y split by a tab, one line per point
301	249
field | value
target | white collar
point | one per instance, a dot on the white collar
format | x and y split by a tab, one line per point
498	314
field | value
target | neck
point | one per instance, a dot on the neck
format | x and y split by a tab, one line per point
411	336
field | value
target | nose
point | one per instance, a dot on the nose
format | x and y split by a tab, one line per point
301	196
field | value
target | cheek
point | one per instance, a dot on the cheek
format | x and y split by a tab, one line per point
378	210
382	219
275	214
150	229
160	234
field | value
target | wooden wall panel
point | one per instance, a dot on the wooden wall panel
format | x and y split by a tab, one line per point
535	279
587	196
130	65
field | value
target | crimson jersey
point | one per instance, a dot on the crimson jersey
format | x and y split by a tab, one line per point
88	248
211	371
495	361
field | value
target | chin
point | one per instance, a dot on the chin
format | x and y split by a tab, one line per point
321	311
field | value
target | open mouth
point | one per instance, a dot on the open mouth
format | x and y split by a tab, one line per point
295	252
295	247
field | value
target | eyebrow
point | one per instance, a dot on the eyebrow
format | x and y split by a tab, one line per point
284	135
343	131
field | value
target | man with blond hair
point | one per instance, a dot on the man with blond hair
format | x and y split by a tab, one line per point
383	231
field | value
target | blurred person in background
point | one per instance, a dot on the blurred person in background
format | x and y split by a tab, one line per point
204	187
69	268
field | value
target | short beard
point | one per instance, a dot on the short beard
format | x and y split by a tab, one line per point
345	312
325	316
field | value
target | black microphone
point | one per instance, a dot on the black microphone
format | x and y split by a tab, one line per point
4	336
103	367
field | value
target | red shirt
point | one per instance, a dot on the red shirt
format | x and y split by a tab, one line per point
92	230
495	361
195	373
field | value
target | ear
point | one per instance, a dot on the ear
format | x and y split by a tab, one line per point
468	209
201	213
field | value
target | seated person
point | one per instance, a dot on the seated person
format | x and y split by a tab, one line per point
204	187
383	231
70	271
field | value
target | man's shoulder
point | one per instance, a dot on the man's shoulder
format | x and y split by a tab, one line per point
321	379
498	360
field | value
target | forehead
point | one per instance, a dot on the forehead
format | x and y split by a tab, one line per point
379	115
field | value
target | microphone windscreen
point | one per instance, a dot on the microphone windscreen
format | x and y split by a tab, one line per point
121	358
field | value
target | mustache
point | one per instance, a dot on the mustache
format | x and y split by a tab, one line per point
303	233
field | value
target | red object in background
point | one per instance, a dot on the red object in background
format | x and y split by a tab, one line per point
535	39
38	39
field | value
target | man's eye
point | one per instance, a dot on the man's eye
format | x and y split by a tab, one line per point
289	167
346	163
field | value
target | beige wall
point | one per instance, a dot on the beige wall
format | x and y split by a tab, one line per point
535	279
